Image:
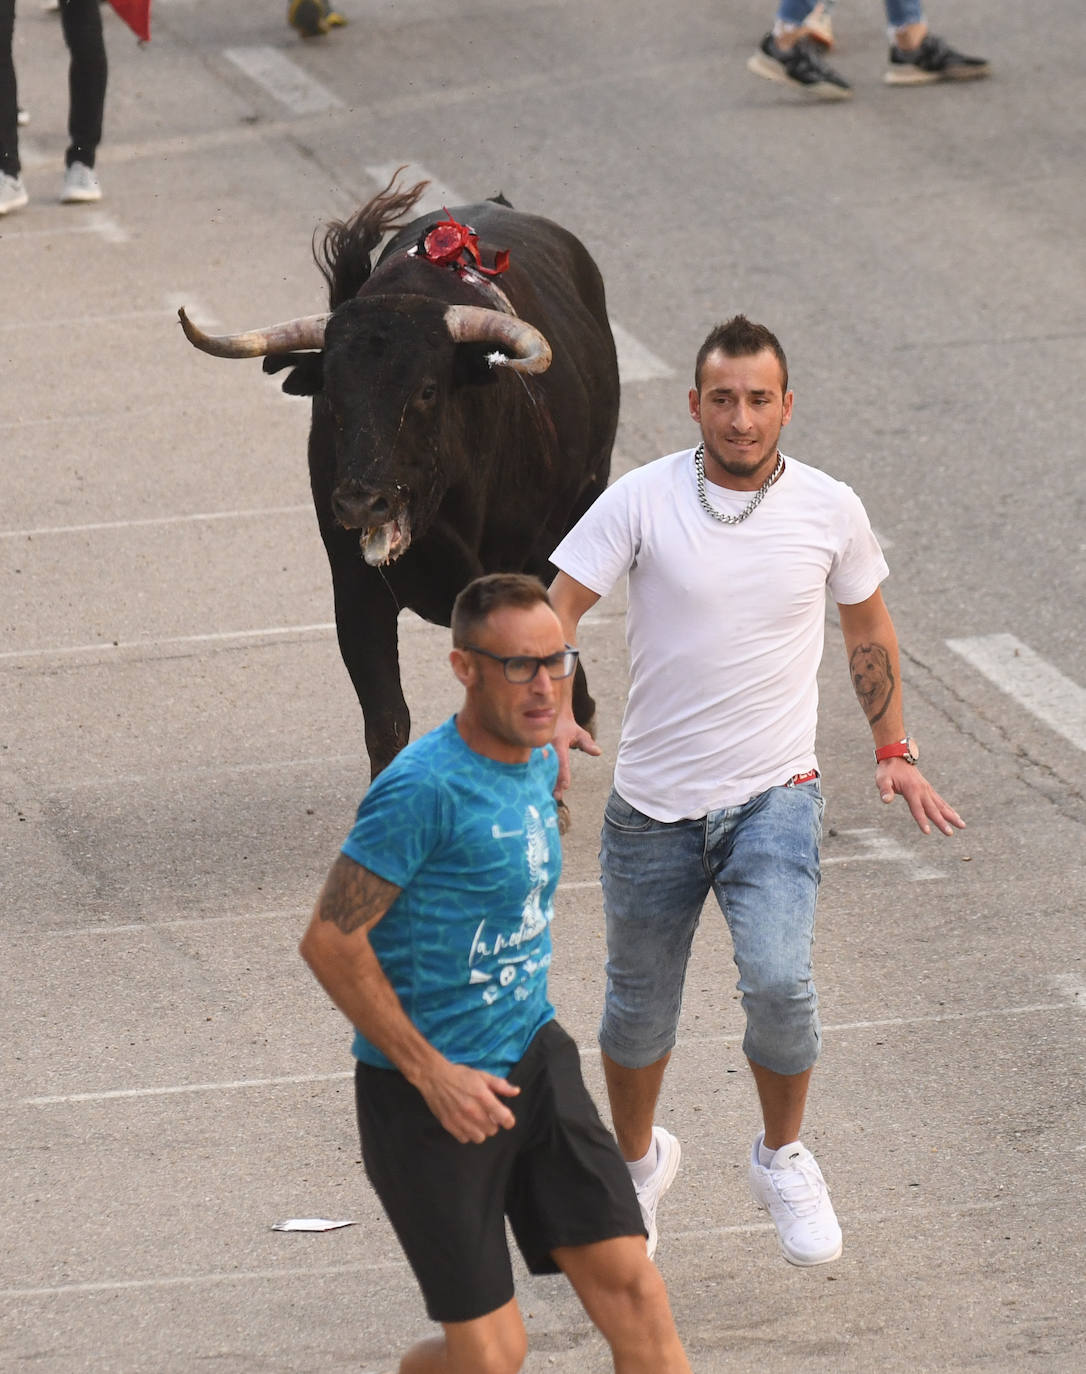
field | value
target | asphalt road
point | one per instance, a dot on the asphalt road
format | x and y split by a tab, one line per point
180	749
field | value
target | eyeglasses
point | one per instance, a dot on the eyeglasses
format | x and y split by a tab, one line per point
520	669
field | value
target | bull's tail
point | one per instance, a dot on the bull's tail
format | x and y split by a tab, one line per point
343	254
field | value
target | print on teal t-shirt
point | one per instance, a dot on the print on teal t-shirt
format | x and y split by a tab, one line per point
474	845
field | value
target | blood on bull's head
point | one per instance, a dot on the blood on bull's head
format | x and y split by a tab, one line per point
384	371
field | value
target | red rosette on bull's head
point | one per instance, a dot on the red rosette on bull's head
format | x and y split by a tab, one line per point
449	240
137	15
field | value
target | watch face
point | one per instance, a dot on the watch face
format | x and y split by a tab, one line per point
914	750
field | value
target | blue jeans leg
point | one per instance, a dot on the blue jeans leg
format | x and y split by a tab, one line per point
654	886
765	868
898	12
761	859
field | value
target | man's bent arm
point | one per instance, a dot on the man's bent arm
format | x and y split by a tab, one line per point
570	599
336	946
874	664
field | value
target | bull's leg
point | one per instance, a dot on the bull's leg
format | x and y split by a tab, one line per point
368	641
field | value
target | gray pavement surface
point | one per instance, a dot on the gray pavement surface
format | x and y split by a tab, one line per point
180	749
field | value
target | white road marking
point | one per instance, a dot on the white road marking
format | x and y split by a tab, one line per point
64	1099
174	1089
194	1280
436	196
361	1267
83	222
1071	986
636	363
1030	680
283	79
80	321
877	847
255	513
139	645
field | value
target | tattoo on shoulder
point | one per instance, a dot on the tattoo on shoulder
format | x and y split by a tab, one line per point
353	896
873	679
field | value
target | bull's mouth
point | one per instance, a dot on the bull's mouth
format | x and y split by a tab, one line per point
383	544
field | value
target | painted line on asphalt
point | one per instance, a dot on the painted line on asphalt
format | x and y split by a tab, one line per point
142	645
78	321
698	1234
410	625
92	222
65	1099
283	79
194	1280
1032	681
636	363
877	847
251	513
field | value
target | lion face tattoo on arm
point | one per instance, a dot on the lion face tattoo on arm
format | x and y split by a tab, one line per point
873	679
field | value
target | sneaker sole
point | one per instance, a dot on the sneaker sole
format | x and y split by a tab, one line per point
14	205
810	1263
915	77
761	65
81	198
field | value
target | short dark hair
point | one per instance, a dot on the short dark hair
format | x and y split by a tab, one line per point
481	598
740	338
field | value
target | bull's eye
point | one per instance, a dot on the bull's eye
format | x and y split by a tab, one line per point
428	392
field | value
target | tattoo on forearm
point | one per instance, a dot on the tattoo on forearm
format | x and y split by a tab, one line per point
873	679
353	896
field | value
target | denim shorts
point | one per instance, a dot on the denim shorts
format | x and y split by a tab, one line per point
761	861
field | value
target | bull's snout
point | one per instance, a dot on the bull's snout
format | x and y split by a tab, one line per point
357	507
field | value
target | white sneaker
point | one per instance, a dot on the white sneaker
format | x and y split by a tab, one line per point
793	1192
13	194
668	1154
80	185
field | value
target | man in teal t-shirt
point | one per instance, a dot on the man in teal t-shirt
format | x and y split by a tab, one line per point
432	935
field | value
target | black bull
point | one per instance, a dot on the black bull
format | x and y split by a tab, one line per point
442	445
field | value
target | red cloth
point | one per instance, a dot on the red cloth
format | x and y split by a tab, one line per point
137	15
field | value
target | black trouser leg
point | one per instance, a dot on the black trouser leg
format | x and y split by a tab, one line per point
87	71
9	99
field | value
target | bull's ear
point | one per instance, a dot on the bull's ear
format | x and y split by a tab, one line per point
472	368
306	375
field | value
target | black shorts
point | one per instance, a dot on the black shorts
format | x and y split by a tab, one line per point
557	1174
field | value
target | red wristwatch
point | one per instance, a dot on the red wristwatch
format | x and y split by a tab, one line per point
906	749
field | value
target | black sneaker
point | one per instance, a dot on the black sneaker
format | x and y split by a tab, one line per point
933	60
798	66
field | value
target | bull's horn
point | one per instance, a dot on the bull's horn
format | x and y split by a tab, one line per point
291	335
475	324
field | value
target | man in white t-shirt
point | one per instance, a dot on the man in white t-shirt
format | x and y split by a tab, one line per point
729	549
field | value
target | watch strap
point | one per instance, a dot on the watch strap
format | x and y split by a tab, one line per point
901	749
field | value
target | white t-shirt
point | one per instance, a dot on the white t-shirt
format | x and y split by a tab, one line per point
725	626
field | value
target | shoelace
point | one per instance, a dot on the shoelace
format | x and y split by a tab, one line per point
800	1188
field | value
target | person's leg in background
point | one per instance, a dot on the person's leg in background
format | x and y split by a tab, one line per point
87	75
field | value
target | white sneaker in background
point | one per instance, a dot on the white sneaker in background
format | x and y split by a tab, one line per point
13	194
80	185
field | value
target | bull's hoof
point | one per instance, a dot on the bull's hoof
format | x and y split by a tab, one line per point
564	819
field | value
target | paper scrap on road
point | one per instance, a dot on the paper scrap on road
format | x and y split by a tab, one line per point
310	1224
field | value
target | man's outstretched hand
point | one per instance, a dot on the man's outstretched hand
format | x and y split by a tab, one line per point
569	735
895	777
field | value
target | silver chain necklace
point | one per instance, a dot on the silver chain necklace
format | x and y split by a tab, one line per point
751	506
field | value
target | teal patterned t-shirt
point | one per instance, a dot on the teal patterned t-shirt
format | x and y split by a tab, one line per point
474	845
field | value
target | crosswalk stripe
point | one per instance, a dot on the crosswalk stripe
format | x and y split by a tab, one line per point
283	79
1033	682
